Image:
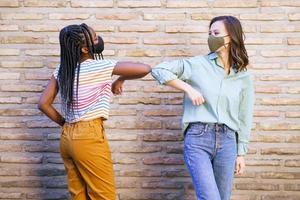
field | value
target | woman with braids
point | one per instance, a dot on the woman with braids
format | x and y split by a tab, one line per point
218	107
84	81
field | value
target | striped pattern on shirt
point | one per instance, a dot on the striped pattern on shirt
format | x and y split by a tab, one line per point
94	90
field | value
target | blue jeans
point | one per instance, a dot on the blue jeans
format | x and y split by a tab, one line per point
210	152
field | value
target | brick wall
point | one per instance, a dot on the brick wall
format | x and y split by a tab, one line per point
144	128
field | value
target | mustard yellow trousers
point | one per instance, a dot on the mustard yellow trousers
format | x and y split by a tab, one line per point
87	159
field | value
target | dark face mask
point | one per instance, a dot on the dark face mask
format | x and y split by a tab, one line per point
214	43
99	47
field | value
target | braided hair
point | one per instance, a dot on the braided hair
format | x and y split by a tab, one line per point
72	38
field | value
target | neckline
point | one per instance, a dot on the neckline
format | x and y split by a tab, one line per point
87	60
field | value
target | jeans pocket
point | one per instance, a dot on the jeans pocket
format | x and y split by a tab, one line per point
230	133
84	132
196	130
100	133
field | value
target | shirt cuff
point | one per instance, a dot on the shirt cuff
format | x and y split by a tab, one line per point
163	76
242	149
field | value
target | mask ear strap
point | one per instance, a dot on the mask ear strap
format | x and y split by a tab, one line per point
227	42
225	45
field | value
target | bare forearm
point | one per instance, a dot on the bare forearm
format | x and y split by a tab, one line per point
179	84
46	100
52	113
194	95
123	78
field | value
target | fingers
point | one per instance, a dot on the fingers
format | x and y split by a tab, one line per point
239	167
195	96
116	88
198	100
242	168
239	170
202	99
117	92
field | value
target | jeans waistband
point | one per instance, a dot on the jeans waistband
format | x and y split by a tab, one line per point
212	125
97	121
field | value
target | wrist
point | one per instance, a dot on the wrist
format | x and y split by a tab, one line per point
63	121
121	78
187	88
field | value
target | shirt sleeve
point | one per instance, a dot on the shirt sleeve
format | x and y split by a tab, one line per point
167	71
111	65
55	73
245	118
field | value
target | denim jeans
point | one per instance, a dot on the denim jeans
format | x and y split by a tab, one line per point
210	152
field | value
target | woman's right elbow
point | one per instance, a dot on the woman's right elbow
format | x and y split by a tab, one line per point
147	68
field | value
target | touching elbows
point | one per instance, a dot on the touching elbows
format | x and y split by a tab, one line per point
146	68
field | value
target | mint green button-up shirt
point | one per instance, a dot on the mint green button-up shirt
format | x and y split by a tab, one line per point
229	99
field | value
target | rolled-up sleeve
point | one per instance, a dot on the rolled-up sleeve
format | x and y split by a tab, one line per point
167	71
245	118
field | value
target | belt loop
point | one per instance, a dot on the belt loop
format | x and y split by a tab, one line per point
216	126
206	126
90	122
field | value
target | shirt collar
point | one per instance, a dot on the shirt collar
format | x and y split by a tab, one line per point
213	56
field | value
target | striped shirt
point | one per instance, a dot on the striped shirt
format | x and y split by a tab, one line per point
94	90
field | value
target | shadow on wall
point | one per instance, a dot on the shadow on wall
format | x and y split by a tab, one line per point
47	175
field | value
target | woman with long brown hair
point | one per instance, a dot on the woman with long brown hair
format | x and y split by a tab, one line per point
218	107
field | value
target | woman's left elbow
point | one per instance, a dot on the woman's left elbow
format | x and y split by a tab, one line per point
40	106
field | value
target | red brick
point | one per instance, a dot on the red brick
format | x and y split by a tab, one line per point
23	16
280	175
163	16
139	4
292	163
9	3
41	3
280	197
280	151
4	27
187	29
138	28
69	16
258	186
19	158
118	16
235	4
140	173
165	136
92	4
157	160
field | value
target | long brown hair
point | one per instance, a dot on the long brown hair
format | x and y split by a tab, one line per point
237	54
